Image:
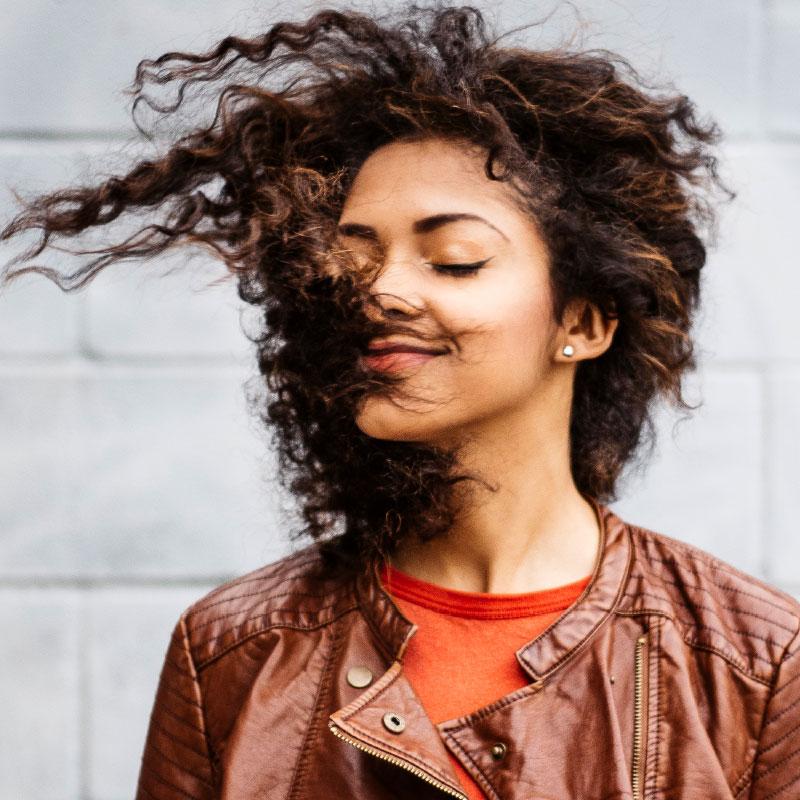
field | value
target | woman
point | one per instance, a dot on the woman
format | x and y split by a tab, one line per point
478	267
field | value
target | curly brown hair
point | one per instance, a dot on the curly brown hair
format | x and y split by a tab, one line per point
618	177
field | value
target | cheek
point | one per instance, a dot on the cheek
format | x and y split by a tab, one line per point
508	330
528	328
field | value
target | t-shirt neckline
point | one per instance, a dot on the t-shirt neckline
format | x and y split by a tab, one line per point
479	605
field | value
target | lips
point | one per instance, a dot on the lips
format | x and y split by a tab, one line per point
403	348
393	359
378	346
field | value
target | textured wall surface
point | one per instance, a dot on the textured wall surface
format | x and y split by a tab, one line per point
133	478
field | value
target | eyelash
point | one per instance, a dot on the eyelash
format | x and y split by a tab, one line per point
460	269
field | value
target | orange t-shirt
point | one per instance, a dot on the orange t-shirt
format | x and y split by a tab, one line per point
477	634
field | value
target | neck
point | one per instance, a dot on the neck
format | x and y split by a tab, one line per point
535	532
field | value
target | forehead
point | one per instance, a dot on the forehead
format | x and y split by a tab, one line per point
426	177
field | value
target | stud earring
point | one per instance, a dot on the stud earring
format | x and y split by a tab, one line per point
568	350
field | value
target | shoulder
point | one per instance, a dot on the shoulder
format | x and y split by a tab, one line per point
715	605
296	591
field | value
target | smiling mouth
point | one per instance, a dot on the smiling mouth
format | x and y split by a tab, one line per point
393	359
404	348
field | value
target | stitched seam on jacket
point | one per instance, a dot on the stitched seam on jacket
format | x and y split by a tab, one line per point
377	634
717	565
263	599
178	668
147	768
727	657
700	625
203	664
706	559
779	763
267	613
182	767
173	738
183	723
301	765
767	704
675	601
479	714
679	623
188	700
198	695
738	609
783	711
494	794
644	612
744	778
780	789
789	682
149	794
268	572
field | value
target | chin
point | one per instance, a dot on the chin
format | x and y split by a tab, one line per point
389	430
383	420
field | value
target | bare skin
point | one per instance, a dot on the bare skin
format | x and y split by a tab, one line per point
506	385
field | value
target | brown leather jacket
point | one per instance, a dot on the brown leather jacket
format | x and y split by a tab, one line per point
674	675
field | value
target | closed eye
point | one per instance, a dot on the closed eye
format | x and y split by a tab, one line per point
460	269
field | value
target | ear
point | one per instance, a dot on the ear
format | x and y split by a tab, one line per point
586	328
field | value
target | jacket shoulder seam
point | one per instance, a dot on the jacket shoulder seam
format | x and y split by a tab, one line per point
268	575
197	700
201	665
710	560
287	593
715	622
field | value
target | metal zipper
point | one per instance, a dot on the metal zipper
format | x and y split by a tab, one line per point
638	711
400	763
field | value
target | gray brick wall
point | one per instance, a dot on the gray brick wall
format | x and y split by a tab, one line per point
134	478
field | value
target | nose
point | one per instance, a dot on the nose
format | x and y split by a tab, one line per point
396	290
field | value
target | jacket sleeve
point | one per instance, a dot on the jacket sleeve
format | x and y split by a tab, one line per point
776	773
176	762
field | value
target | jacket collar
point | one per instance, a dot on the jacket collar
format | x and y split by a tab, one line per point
551	648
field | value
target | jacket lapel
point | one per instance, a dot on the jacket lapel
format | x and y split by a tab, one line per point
567	634
551	648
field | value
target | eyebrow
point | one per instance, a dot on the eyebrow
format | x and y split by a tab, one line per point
424	225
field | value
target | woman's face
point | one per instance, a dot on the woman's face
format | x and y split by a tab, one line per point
504	347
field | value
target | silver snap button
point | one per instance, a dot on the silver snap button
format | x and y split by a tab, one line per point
498	750
394	722
359	677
